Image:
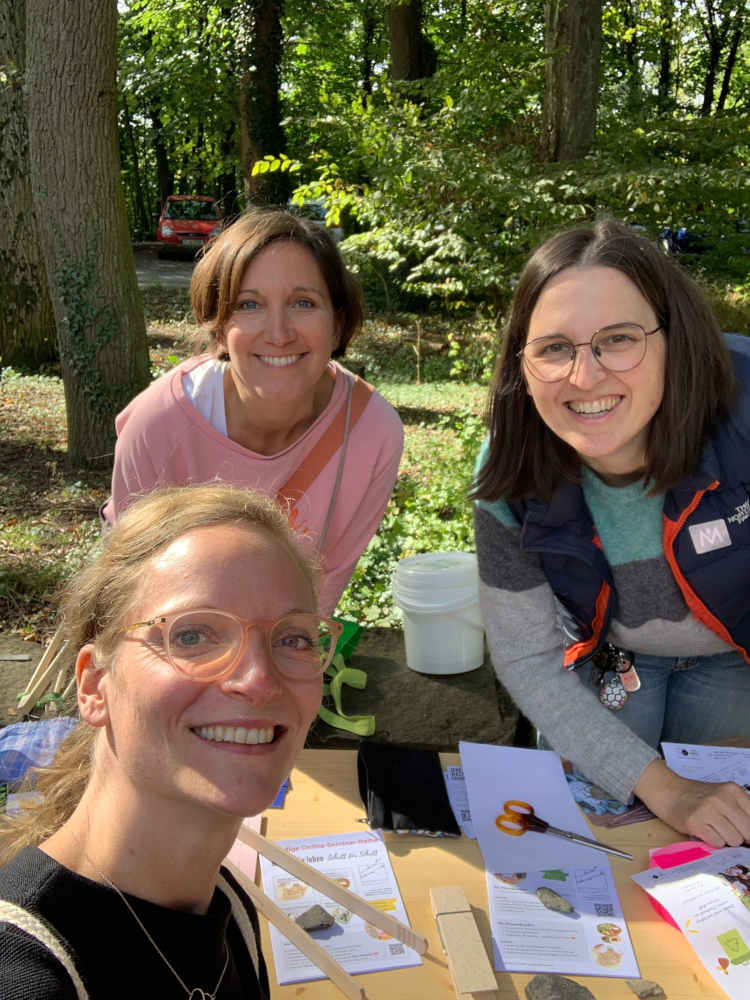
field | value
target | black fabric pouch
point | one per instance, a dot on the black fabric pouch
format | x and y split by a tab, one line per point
403	789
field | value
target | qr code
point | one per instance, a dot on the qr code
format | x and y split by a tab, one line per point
465	816
604	909
396	949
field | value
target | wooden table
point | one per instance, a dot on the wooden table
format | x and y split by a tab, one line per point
324	799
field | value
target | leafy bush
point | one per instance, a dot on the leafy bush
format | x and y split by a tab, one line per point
428	512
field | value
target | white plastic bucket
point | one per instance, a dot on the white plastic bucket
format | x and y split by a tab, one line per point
438	594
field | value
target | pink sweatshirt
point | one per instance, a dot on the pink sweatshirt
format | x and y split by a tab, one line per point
162	440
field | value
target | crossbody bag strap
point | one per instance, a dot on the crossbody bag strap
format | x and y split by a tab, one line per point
239	912
336	437
17	916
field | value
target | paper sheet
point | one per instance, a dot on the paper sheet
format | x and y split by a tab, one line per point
244	856
709	763
591	940
360	862
710	901
455	784
495	774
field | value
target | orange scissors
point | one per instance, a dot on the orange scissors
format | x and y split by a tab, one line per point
519	817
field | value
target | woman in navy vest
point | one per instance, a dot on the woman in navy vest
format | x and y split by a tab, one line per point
613	521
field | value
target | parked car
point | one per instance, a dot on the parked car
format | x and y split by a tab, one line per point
187	222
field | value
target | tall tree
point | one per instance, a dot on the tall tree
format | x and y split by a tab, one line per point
722	25
27	323
413	55
666	44
260	46
74	161
573	43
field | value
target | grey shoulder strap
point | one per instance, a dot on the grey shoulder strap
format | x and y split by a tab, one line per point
239	912
18	917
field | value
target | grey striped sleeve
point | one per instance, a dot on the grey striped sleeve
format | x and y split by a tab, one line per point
526	648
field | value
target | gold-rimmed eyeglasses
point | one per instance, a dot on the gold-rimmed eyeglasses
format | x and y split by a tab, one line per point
617	348
206	645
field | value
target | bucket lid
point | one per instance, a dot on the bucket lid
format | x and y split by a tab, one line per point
436	580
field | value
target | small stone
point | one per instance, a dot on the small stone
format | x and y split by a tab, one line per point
553	900
646	990
314	919
551	987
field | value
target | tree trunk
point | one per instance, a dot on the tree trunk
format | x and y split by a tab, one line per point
728	68
413	56
260	42
80	206
164	175
714	52
666	21
27	323
573	43
140	203
369	24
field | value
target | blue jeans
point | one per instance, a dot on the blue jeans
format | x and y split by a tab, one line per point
692	699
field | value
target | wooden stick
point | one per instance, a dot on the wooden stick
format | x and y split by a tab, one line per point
68	688
333	890
299	938
33	691
46	656
472	974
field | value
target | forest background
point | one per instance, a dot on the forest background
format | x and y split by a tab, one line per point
447	137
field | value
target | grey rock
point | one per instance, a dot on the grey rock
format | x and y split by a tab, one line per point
553	900
645	989
550	987
314	919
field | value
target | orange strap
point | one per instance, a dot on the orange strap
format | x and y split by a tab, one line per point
322	453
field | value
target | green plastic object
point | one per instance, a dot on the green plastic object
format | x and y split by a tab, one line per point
347	641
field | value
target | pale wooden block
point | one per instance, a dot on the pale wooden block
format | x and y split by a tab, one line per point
473	975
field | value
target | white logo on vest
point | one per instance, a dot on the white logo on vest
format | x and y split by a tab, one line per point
741	513
709	536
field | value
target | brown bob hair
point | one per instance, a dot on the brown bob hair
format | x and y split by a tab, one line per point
525	458
216	279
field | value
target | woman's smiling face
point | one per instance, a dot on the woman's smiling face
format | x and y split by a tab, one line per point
227	744
283	328
604	416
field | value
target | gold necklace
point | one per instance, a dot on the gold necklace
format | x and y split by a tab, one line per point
195	994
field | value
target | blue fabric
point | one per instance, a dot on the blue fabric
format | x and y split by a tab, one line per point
694	699
31	744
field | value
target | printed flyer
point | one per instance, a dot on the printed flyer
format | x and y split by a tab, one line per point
359	862
564	921
709	900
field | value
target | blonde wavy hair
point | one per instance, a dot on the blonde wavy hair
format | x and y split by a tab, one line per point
96	603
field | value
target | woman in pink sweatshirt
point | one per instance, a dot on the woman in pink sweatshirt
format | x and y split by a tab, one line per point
267	407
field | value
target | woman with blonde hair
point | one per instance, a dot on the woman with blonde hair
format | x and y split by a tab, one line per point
267	406
199	669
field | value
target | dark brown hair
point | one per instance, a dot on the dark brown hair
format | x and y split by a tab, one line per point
525	458
218	274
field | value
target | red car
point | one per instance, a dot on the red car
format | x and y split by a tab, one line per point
187	222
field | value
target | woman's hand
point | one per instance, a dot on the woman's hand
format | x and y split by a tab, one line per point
718	813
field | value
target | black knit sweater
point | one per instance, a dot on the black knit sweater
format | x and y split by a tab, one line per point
113	956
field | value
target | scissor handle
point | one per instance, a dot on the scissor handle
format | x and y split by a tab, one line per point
516	818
